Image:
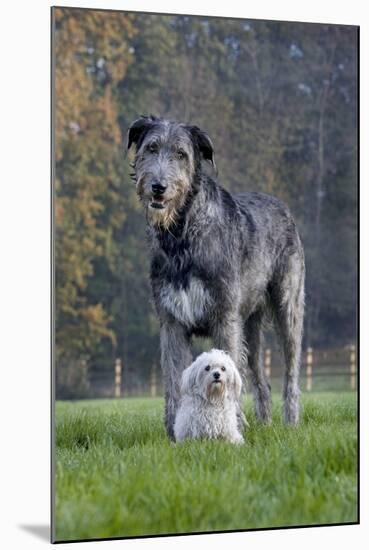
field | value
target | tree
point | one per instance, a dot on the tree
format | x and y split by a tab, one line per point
91	56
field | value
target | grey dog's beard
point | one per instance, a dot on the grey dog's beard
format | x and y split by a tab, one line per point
164	217
168	216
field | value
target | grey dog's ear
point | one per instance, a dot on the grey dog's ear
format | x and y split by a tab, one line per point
202	143
138	129
188	381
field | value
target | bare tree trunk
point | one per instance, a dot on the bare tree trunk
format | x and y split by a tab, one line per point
320	192
319	201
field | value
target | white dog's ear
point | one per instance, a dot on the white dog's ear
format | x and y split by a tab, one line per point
237	383
188	381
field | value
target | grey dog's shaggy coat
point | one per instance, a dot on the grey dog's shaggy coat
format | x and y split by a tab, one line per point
219	263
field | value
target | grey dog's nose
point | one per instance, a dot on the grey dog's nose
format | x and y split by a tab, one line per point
158	188
216	375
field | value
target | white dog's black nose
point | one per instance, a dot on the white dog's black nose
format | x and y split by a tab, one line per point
216	375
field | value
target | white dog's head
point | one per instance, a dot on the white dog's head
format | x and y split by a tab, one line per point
213	375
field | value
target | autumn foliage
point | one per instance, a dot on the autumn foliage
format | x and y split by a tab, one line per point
280	103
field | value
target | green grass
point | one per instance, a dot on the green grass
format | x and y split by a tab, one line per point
117	474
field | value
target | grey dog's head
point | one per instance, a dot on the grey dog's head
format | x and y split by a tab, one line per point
168	158
213	375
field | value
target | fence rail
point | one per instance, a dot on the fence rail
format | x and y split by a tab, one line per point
321	370
337	367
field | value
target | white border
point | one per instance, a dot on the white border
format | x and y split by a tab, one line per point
25	281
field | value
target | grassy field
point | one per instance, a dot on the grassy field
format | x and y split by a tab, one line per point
117	474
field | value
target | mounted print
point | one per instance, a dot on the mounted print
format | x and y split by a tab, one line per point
205	206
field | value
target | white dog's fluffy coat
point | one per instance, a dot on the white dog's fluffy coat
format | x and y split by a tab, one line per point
210	390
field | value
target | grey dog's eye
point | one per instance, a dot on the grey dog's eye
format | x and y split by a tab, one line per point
153	148
181	154
223	368
207	367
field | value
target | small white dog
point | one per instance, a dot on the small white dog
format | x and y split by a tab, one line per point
210	390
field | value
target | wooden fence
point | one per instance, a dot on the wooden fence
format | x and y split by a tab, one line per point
321	370
337	368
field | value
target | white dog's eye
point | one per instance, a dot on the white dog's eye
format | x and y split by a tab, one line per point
207	367
223	368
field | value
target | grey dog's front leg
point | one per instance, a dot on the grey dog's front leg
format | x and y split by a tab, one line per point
175	357
228	336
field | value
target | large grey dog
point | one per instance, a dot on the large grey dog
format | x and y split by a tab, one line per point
220	263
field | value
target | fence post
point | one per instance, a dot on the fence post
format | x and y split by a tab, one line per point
309	369
268	363
118	378
353	367
85	379
153	382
